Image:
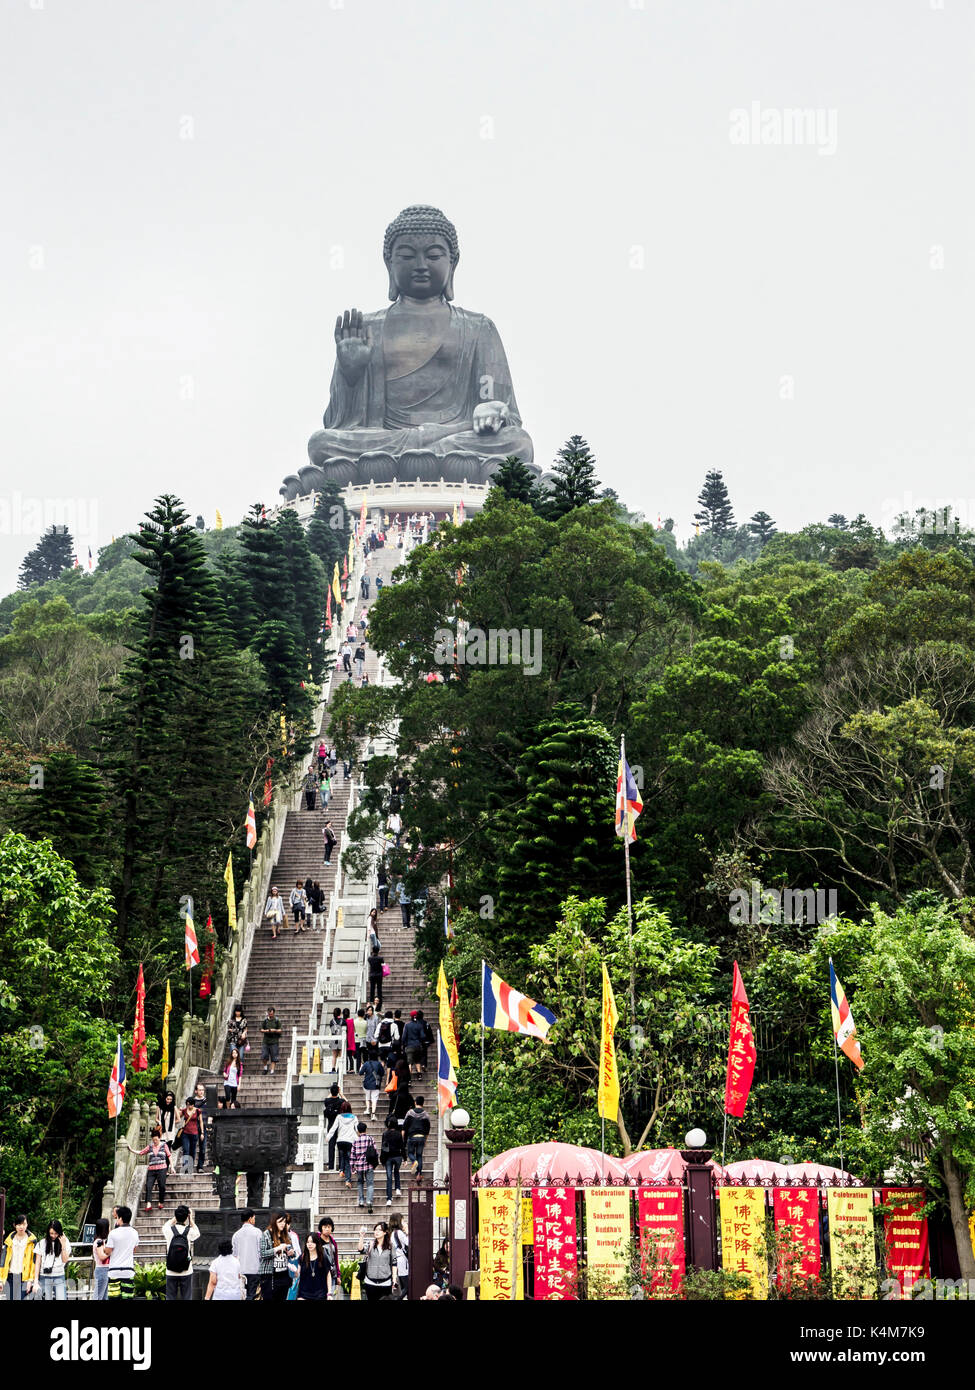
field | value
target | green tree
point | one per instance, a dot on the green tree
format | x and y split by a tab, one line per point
716	513
516	481
53	553
575	483
57	960
329	527
762	526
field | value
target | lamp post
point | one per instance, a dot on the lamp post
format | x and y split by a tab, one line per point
700	1225
460	1148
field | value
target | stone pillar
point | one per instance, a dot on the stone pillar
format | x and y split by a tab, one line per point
459	1161
700	1223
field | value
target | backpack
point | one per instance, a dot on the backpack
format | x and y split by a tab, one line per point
386	1031
427	1033
372	1158
178	1254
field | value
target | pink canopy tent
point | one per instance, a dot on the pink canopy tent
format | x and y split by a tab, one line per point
659	1165
551	1165
818	1172
757	1170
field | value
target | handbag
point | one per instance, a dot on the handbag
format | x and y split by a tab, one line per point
386	971
391	1086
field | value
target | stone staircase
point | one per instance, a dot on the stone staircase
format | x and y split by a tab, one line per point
282	973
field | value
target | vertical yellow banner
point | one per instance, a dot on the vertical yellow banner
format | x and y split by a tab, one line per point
497	1222
607	1235
852	1251
743	1235
527	1221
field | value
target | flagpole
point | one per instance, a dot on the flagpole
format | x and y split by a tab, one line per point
724	1137
629	898
483	1155
839	1116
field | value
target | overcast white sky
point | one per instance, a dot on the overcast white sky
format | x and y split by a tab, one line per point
194	190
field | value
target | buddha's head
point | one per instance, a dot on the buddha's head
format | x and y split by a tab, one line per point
420	250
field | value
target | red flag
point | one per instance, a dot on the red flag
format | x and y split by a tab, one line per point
454	1001
268	789
345	567
328	609
209	955
742	1055
140	1059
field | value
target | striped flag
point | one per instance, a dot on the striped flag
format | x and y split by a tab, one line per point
844	1029
448	930
503	1007
116	1082
140	1059
446	1078
250	826
167	1010
228	876
89	557
629	802
189	939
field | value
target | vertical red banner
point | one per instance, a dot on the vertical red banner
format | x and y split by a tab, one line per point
906	1235
556	1251
661	1217
796	1214
742	1054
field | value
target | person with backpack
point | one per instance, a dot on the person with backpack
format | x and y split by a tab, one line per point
416	1127
330	1109
413	1042
364	1161
328	841
345	1127
180	1232
391	1155
376	973
387	1035
372	1081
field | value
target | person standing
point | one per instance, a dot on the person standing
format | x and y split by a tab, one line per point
200	1101
276	1252
382	885
298	904
122	1243
167	1119
364	1160
377	1270
416	1127
318	906
349	1024
376	978
372	1081
372	931
330	1109
271	1033
310	785
322	755
274	912
53	1253
157	1156
233	1074
328	841
359	1028
18	1271
400	1246
391	1156
405	903
413	1044
360	660
313	1271
326	1229
387	1036
225	1276
336	1032
99	1261
246	1248
180	1232
324	791
237	1030
191	1133
345	1127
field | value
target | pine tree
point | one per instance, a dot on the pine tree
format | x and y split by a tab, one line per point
53	554
515	480
329	527
762	526
837	520
304	589
717	514
575	482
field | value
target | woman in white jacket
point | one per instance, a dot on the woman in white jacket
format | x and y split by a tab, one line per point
345	1128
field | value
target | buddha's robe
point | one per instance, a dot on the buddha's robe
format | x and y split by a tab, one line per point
429	410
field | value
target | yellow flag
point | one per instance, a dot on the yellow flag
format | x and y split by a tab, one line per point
284	736
231	895
455	513
446	1022
167	1010
219	525
609	1077
336	586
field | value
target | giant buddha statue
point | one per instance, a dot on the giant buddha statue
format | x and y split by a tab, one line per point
421	389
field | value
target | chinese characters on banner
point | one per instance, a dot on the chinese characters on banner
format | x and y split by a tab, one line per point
556	1255
796	1212
742	1054
661	1219
497	1219
527	1221
607	1232
851	1242
906	1235
743	1235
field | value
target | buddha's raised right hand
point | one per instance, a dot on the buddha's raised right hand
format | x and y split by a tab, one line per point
353	344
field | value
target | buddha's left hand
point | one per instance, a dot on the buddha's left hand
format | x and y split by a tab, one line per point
490	417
